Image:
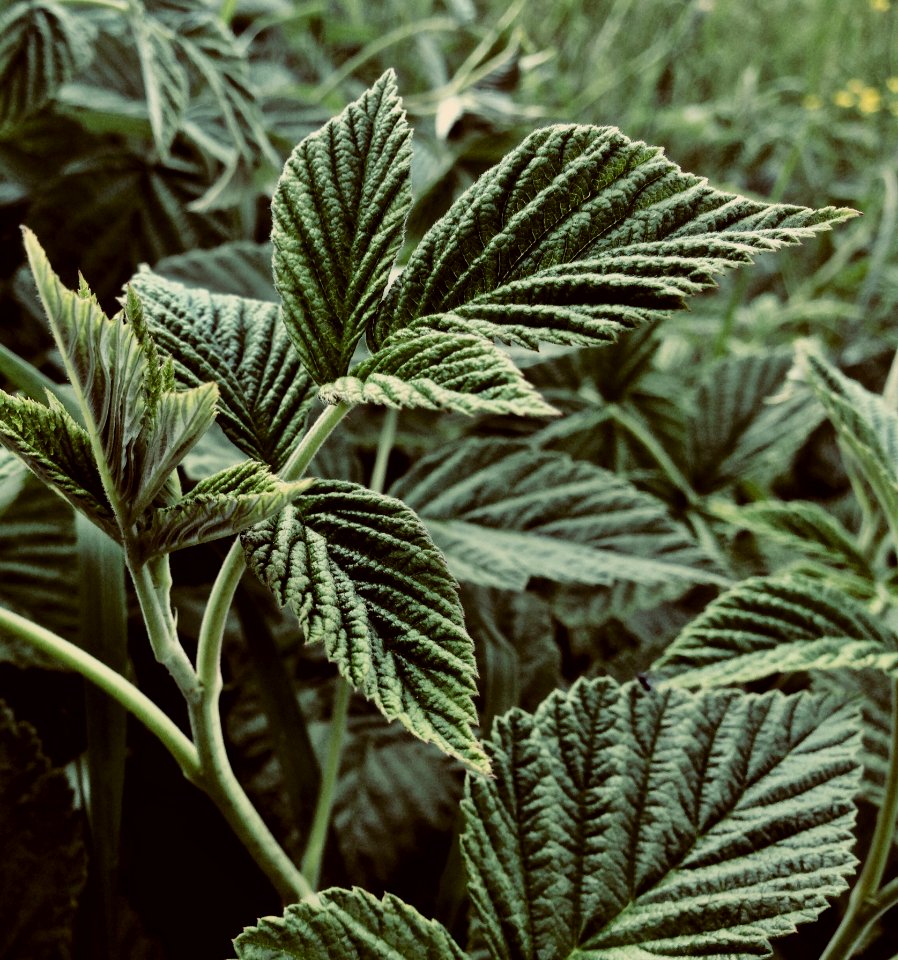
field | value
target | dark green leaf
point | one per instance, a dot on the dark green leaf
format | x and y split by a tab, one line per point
339	210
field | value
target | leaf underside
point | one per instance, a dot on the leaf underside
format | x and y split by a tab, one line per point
242	346
769	625
577	235
503	512
361	574
338	214
631	824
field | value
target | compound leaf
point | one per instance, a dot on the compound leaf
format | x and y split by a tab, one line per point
44	865
218	506
349	925
241	345
42	46
338	214
503	512
768	625
626	824
361	574
440	371
577	235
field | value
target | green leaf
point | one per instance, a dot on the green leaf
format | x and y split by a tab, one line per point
738	429
349	925
42	45
218	506
769	625
578	235
141	429
440	371
43	866
164	79
361	574
240	268
866	426
804	527
338	211
57	450
241	345
632	824
503	512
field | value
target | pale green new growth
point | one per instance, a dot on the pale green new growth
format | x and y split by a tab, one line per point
503	511
769	625
578	235
363	577
440	371
625	824
338	215
348	925
42	45
241	345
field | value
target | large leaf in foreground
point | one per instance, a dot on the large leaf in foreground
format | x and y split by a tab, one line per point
440	371
769	625
503	512
348	925
577	235
241	345
43	867
338	214
362	575
629	824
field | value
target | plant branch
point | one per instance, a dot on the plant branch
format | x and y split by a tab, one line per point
121	690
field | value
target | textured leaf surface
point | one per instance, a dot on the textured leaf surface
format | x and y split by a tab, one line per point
351	925
577	235
769	625
240	268
632	824
43	867
441	371
42	45
503	512
338	214
362	575
218	506
241	345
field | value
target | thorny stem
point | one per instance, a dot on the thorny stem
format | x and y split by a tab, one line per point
112	683
311	861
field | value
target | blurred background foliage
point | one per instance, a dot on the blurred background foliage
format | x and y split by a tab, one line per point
154	133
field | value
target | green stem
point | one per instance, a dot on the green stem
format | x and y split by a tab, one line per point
864	901
311	861
121	6
136	703
384	446
321	429
226	11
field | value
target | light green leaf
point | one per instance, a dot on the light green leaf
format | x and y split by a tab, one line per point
165	81
864	424
625	824
43	868
141	427
503	512
241	345
577	235
440	371
349	925
360	572
57	450
769	625
743	425
339	210
804	527
218	506
42	45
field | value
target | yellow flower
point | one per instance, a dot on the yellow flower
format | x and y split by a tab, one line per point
843	98
880	5
812	102
869	101
892	84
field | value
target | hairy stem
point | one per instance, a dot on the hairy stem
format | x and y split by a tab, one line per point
864	901
121	690
311	861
